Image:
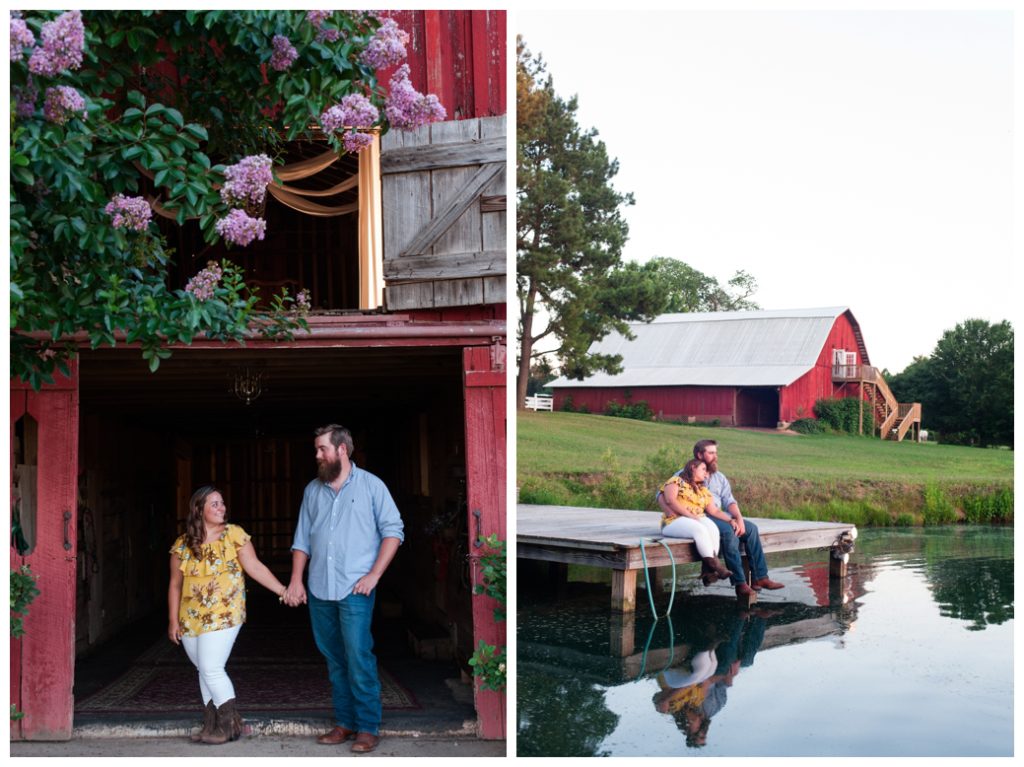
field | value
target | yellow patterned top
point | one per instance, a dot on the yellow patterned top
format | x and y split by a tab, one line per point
213	591
694	499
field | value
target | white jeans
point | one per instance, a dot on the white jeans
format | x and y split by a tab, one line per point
702	530
209	653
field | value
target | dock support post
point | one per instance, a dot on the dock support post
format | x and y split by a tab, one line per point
837	567
624	591
623	634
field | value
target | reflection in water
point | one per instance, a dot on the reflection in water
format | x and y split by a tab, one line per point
585	677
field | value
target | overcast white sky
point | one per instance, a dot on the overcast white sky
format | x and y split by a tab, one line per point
844	158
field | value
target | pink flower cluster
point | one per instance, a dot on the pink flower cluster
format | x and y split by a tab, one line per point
204	284
61	103
284	53
247	180
129	212
356	142
62	42
317	19
239	228
302	301
406	107
386	47
21	38
354	111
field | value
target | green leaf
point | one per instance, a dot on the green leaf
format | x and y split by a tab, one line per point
136	98
175	117
23	175
198	131
132	152
131	115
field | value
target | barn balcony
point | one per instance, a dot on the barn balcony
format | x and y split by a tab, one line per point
893	420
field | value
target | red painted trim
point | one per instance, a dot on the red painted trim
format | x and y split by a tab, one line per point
48	648
485	493
480	41
435	62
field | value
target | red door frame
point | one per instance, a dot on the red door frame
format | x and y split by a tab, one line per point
484	380
43	661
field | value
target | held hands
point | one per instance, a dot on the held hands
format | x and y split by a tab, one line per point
294	595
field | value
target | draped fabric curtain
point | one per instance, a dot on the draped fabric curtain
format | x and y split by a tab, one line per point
368	206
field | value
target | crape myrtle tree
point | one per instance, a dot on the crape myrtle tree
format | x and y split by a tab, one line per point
115	112
571	283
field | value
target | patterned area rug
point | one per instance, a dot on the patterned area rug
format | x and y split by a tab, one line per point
271	671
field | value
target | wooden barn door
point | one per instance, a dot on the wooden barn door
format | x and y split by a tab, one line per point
44	463
444	216
484	371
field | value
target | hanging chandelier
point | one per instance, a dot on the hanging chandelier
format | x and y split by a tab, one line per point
247	385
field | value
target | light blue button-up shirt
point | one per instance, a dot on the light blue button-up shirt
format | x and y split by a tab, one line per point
341	532
721	491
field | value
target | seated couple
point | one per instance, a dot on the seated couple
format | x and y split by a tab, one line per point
697	503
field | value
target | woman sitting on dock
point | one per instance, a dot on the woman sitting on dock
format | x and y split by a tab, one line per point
686	504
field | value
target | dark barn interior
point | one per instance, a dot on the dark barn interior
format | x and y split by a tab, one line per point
148	440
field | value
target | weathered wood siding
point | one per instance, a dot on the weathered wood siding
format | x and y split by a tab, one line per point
669	403
458	55
42	662
444	214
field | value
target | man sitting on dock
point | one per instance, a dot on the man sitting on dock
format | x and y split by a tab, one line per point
737	529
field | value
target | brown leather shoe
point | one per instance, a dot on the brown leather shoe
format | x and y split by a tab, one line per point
365	742
768	583
336	736
743	590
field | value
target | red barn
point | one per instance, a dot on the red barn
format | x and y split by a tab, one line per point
753	368
405	265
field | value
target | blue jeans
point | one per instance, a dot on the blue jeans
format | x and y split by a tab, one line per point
730	550
342	633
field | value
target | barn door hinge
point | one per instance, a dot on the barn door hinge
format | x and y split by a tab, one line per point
498	353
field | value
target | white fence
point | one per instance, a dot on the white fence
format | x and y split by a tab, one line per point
540	402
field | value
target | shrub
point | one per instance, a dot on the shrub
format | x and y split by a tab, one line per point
844	415
808	426
567	405
989	507
938	509
639	411
905	520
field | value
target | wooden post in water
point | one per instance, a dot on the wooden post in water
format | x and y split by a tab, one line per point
624	591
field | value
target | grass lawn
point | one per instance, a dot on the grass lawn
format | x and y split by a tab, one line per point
576	459
576	443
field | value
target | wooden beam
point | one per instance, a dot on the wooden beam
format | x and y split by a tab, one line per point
445	266
440	156
453	210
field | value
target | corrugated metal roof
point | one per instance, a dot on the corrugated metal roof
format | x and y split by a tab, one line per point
759	348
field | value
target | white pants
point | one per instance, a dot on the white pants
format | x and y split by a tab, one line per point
703	531
209	653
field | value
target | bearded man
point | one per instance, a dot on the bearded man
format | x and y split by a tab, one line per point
349	530
736	529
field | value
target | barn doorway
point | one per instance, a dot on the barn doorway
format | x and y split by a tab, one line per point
147	440
757	406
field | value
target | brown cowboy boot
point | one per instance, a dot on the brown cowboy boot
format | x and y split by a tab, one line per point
209	720
711	563
228	726
767	583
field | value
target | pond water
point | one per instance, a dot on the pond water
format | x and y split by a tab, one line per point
912	655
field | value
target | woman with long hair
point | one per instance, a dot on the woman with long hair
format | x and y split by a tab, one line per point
206	604
686	504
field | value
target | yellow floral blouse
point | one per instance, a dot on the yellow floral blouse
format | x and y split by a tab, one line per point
213	591
696	499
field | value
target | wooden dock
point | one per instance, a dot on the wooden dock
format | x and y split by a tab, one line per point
611	538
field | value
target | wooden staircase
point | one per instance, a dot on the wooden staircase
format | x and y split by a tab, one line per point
894	420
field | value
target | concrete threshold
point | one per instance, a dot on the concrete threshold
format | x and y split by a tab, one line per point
255	727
